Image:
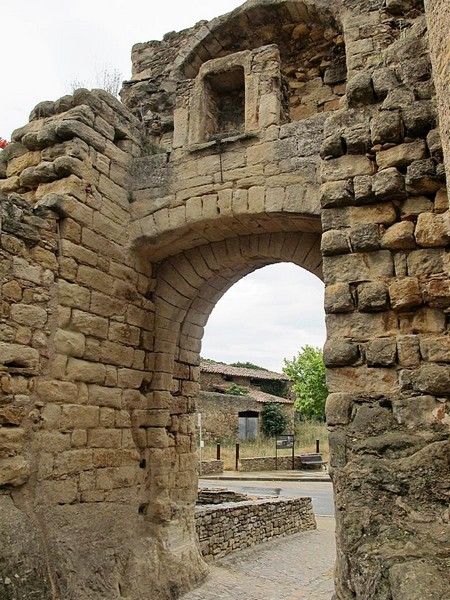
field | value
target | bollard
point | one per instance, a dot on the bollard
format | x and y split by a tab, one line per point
317	446
218	451
237	457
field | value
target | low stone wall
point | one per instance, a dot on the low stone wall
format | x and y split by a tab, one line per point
226	528
211	467
219	496
268	463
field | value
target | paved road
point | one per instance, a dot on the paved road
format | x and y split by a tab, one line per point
297	567
320	492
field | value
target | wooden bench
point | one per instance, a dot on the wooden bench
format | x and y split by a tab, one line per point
312	461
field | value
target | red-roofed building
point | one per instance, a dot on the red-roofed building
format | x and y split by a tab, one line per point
228	414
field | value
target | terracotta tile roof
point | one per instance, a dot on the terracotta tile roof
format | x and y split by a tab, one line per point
223	369
256	395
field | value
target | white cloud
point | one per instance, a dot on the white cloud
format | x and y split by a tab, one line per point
267	316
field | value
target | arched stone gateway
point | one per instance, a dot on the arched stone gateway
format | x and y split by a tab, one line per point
284	131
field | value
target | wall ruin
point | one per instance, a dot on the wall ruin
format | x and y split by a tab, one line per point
121	228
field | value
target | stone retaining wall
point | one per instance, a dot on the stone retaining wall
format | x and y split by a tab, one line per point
211	467
219	496
226	528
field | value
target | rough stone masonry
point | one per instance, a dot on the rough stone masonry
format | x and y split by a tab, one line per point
312	132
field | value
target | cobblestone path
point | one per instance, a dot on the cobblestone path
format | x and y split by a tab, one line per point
298	567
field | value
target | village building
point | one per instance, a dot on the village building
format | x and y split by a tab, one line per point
231	400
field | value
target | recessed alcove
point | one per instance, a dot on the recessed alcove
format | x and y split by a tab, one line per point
225	103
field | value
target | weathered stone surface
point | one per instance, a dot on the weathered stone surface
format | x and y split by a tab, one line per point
14	471
399	236
428	320
381	352
418	117
408	351
384	80
432	230
405	293
402	155
389	184
416	580
421	177
362	187
334	242
338	298
365	237
346	166
357	267
340	352
435	349
338	408
385	127
372	296
336	193
360	90
421	262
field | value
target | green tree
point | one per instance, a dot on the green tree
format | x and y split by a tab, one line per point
274	421
307	371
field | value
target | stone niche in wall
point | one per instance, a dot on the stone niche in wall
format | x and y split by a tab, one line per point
235	96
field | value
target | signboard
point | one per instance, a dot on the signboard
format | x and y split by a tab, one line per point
285	441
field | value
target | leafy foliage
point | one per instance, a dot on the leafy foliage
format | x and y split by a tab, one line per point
248	365
274	421
307	371
276	387
237	390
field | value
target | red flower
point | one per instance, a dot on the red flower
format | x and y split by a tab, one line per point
3	143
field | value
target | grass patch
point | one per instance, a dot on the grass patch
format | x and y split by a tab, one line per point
306	435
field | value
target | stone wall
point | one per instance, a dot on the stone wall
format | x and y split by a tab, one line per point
78	422
219	496
268	463
438	21
211	467
220	414
385	242
226	528
118	239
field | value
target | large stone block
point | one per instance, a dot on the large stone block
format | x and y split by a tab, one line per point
338	298
399	236
402	155
26	314
345	167
381	352
405	293
357	267
432	230
14	471
340	352
372	296
389	184
362	379
338	409
82	370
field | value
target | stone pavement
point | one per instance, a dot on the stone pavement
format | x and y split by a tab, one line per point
297	567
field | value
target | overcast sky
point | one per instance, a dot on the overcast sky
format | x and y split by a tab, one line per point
46	45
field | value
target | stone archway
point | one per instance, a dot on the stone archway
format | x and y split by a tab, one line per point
117	241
